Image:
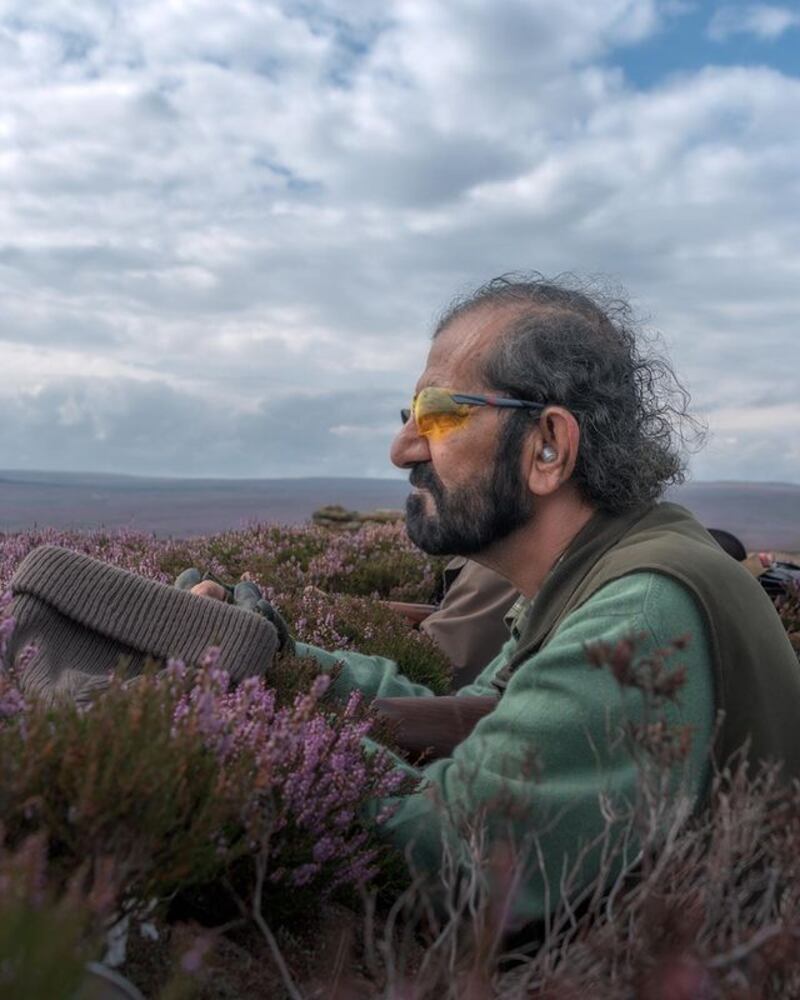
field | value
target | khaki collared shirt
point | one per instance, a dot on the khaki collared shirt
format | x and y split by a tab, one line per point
470	624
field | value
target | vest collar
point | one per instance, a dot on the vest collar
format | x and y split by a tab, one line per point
536	617
595	538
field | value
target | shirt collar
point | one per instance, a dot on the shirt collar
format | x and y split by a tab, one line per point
515	616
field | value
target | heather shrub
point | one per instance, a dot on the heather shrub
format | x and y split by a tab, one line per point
277	555
789	610
9	689
708	909
291	676
241	807
174	777
687	905
343	621
309	776
121	781
135	551
46	934
377	561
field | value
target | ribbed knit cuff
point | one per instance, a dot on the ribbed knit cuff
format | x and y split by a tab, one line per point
146	615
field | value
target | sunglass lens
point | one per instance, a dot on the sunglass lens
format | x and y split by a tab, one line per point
437	413
438	424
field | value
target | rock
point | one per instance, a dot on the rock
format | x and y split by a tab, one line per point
381	516
335	513
336	516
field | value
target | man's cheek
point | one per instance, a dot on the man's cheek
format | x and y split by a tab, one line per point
413	506
419	505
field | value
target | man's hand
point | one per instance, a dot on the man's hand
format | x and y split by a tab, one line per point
429	728
203	586
208	588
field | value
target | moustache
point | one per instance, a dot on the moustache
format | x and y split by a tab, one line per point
422	475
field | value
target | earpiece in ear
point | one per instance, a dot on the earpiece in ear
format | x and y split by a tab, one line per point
548	454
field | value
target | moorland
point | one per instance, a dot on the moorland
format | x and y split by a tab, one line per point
207	842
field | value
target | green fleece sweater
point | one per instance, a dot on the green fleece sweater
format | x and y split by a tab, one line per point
540	761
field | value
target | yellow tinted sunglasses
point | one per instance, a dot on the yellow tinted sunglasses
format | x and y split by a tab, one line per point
439	411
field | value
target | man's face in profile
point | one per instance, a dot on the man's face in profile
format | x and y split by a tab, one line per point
465	519
469	491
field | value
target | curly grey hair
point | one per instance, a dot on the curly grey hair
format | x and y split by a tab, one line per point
576	346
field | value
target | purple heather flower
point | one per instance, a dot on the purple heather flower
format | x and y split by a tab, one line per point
310	771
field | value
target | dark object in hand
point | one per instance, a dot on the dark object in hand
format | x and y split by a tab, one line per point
429	728
247	595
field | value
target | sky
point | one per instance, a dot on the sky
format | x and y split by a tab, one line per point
227	229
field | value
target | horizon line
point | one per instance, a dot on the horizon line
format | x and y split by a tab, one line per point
253	479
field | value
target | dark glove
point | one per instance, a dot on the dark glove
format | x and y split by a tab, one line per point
247	595
188	578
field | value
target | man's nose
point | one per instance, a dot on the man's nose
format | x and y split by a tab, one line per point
409	446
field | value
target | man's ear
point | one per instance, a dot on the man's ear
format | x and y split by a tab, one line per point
553	451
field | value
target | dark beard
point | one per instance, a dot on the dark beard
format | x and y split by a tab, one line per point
470	518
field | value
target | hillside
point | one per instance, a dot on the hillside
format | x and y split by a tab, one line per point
764	515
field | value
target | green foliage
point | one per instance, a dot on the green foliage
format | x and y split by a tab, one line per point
46	936
789	610
378	630
345	621
118	803
377	561
118	782
290	676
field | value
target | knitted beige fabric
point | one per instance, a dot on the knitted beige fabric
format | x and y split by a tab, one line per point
84	615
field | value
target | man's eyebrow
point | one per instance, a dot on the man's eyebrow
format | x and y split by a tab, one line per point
426	383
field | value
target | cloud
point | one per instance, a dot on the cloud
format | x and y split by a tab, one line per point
102	424
225	232
765	21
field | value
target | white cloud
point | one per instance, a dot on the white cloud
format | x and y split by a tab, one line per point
765	21
239	209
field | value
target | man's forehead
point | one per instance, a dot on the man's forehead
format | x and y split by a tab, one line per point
459	350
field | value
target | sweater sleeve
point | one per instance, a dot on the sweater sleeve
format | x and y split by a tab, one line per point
374	676
539	763
379	677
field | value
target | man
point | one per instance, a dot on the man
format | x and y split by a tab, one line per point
539	440
537	445
469	624
779	578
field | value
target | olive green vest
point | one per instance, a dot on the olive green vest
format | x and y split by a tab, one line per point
756	672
